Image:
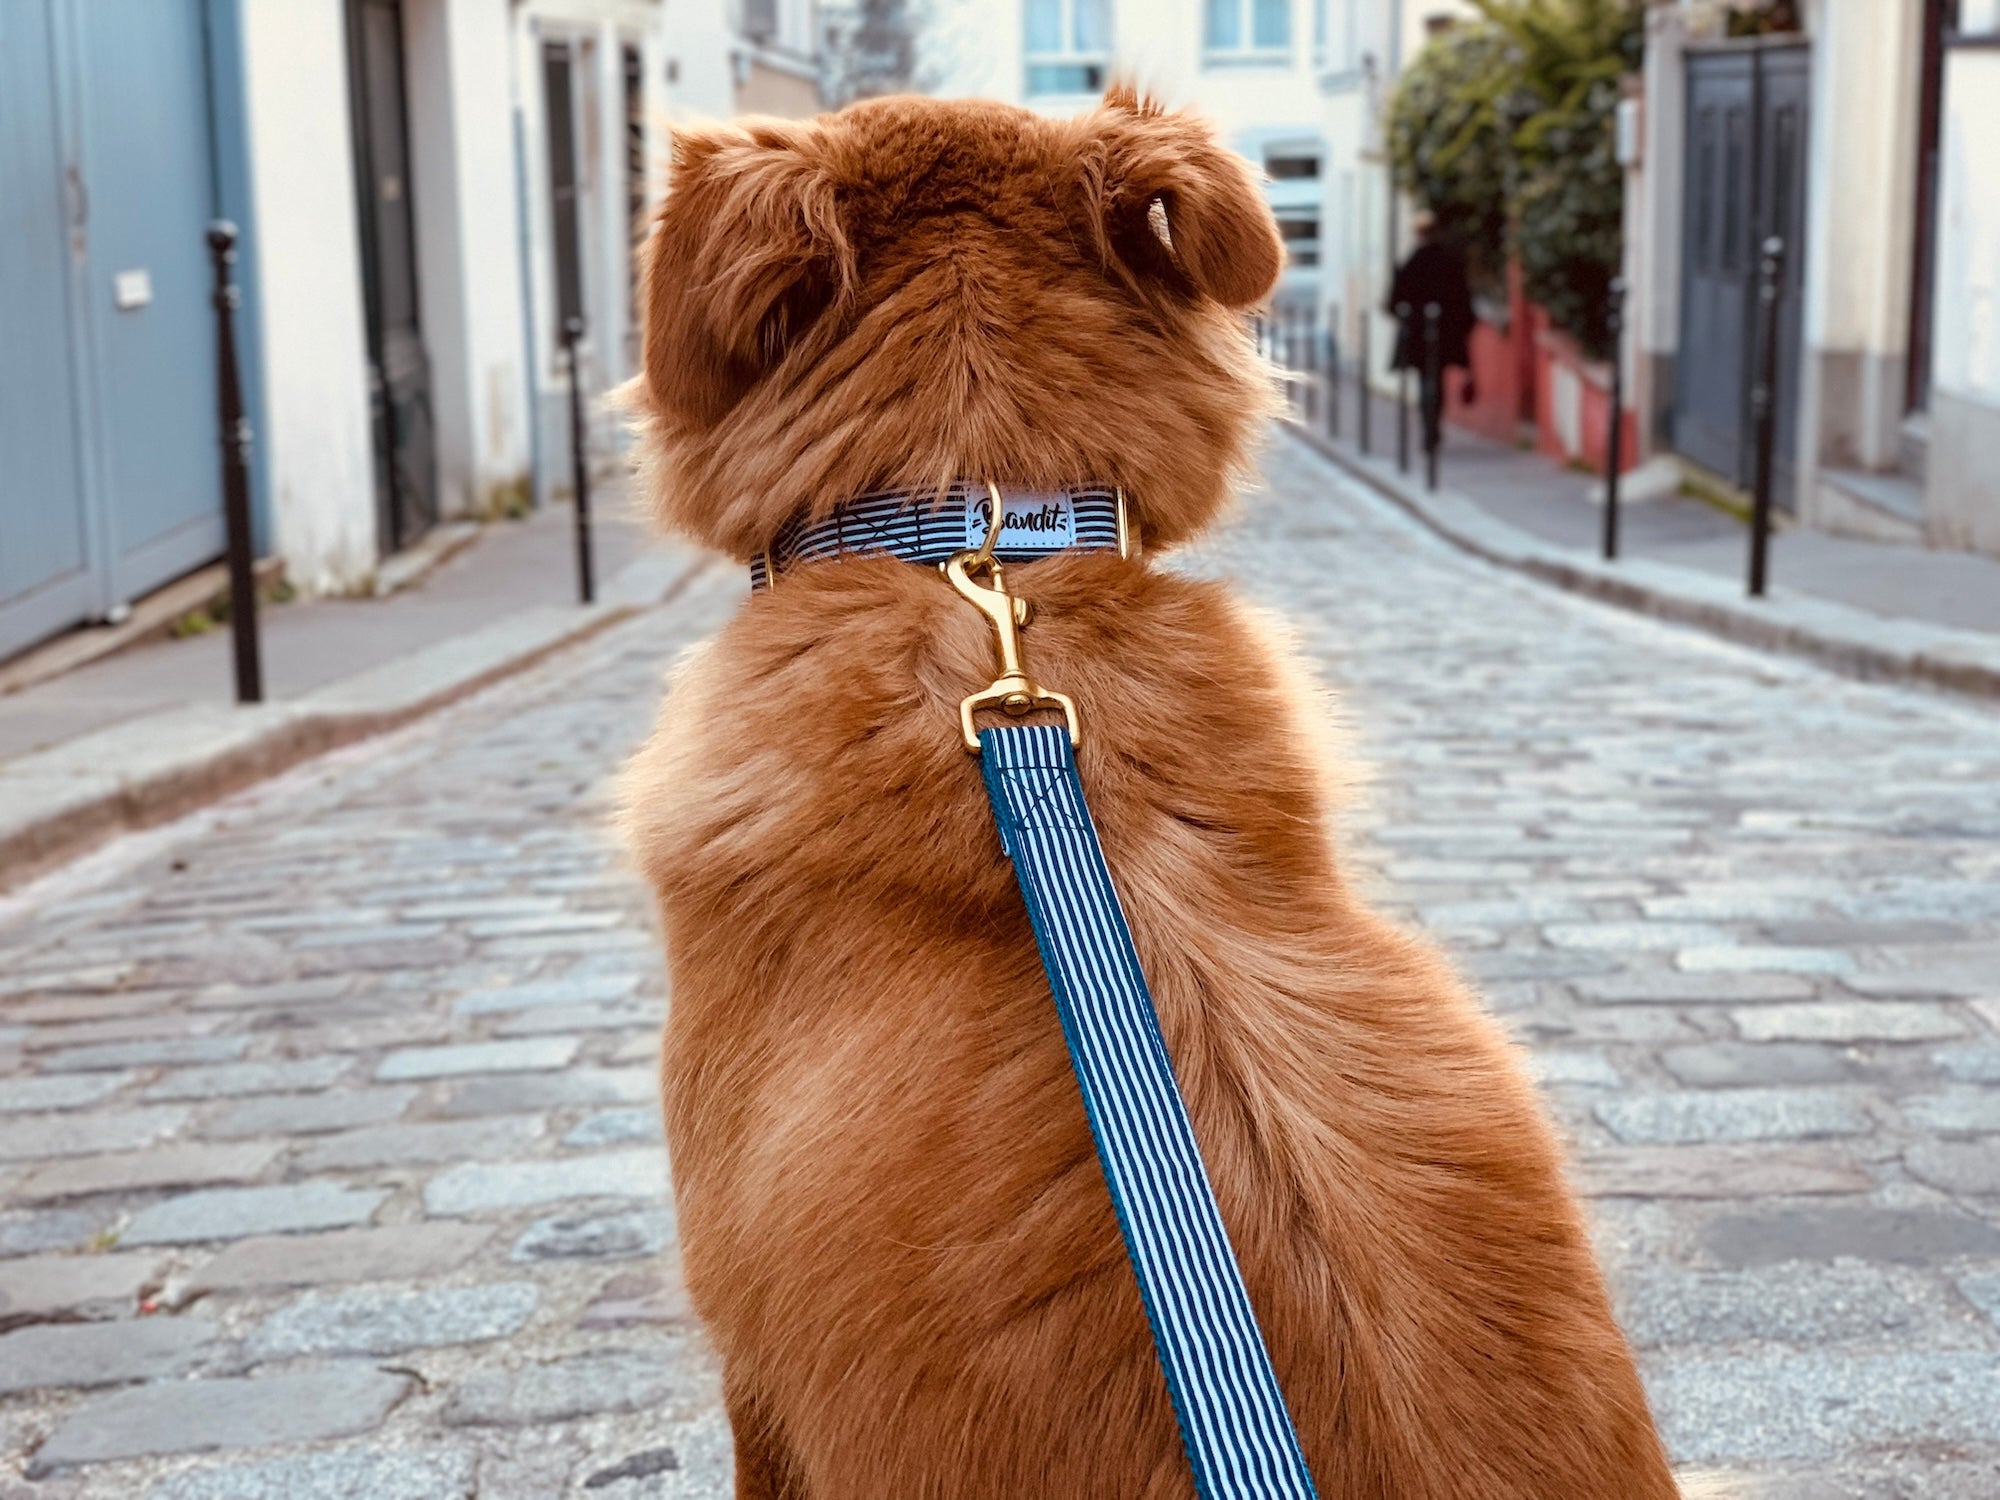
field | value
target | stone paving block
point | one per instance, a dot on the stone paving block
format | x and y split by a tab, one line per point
640	1299
1828	1231
618	1236
1634	937
1671	987
110	1056
1957	1166
184	1165
1575	1069
283	992
310	1114
1747	1064
39	1287
1962	1111
1806	1305
1687	1117
235	1213
477	1187
80	1133
231	1080
618	1127
525	1093
568	1018
1967	969
1847	1021
1756	1171
576	989
64	1091
1974	1062
1772	960
668	1376
53	1229
343	1474
648	1463
528	1055
398	1252
1812	1407
1537	963
387	1322
421	1142
46	1356
199	1416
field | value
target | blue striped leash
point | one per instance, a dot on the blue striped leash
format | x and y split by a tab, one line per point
1238	1434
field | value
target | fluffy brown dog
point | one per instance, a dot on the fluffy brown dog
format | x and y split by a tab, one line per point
892	1219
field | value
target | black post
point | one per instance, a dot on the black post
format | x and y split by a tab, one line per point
586	583
1614	446
1333	373
1361	377
1764	408
1402	390
1433	391
235	469
1311	364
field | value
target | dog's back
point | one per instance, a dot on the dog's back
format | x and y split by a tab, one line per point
892	1217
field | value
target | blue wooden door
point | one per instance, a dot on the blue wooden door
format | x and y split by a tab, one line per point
110	470
143	79
47	577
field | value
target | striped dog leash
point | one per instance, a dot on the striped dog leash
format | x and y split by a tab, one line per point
1234	1425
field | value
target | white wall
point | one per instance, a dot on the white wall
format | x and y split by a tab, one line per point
1968	265
317	442
462	140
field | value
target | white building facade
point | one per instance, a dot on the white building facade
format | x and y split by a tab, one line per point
1251	65
427	191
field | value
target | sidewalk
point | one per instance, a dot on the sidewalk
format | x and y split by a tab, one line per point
145	734
1870	609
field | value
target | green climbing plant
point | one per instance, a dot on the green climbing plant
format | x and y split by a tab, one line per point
1506	129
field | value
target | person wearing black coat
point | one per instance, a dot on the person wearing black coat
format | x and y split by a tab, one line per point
1433	273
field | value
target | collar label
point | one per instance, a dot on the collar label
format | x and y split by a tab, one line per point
1031	520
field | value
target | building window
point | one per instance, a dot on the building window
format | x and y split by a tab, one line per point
1291	163
1247	31
1301	237
1976	18
1335	28
1068	46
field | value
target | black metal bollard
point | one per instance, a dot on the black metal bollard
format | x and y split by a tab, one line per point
1402	390
1333	372
1433	391
1365	335
1614	446
235	469
1310	364
586	581
1764	408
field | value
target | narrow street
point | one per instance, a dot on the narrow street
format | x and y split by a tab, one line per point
341	1092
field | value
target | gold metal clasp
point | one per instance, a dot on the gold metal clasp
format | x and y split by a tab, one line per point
1013	692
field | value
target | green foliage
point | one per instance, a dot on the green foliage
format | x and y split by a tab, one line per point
1512	121
1448	139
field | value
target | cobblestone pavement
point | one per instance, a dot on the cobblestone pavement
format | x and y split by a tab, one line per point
330	1165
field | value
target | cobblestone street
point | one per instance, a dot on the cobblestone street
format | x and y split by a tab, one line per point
330	1158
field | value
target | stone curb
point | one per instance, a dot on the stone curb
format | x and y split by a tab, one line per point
1835	636
59	802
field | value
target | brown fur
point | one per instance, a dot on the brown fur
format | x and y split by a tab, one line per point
892	1219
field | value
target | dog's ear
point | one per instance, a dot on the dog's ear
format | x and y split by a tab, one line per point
1174	206
747	254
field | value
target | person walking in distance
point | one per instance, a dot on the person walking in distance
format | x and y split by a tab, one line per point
1433	273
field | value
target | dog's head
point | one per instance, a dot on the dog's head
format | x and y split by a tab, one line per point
910	291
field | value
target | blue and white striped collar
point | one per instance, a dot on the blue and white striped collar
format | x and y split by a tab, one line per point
923	526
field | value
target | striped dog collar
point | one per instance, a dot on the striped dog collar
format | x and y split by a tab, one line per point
922	527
